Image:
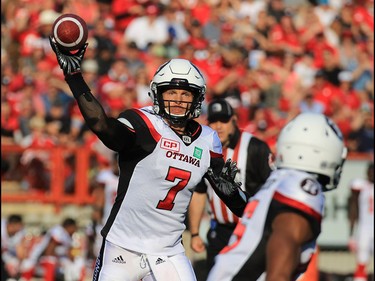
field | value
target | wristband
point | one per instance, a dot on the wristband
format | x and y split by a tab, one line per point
194	234
77	85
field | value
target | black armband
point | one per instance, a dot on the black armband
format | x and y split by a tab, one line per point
77	84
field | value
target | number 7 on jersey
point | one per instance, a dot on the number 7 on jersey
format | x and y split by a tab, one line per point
174	173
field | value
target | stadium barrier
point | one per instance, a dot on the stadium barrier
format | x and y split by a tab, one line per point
22	181
61	164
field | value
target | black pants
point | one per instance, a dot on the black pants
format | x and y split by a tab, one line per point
217	238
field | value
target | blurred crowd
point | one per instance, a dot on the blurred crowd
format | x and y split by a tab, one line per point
270	59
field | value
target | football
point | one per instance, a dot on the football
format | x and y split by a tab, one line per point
70	32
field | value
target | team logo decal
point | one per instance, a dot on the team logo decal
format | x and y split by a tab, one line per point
198	152
186	139
310	186
159	261
170	144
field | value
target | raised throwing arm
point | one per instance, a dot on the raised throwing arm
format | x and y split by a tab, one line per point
111	132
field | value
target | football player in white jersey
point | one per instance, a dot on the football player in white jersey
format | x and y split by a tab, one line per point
361	216
277	233
52	254
254	161
12	237
162	155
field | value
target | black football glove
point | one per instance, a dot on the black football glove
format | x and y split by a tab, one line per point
225	183
69	63
228	189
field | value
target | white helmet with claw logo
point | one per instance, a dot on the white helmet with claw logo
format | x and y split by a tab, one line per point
312	143
178	74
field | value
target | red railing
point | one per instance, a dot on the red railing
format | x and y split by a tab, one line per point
56	166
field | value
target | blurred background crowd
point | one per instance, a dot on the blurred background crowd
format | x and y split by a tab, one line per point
270	59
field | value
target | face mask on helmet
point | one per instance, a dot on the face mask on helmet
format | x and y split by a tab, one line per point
312	143
177	74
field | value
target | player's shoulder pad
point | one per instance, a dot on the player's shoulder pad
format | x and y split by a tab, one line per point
299	184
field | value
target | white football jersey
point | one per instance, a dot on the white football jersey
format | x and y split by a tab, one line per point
365	203
285	189
365	225
156	183
57	233
9	243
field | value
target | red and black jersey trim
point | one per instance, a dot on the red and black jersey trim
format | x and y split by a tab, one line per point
150	126
297	205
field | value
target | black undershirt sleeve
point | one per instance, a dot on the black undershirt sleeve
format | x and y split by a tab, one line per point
114	134
257	167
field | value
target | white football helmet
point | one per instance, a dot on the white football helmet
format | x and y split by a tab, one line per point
312	143
178	74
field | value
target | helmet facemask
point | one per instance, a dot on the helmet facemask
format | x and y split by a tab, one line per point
178	74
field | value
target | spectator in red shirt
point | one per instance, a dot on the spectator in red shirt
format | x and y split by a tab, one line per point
285	36
201	11
197	39
9	123
34	159
125	11
263	124
86	9
349	96
324	92
363	16
112	86
233	68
